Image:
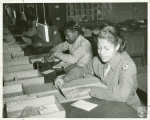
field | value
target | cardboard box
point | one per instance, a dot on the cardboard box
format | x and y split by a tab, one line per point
14	76
15	109
17	68
17	54
8	48
26	82
17	61
13	93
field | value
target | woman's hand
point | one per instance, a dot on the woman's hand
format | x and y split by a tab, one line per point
79	91
50	56
59	82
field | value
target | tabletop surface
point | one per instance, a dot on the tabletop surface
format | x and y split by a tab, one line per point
105	109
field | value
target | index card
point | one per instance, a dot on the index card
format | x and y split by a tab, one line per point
84	105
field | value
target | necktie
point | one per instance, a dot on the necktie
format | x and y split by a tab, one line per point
106	69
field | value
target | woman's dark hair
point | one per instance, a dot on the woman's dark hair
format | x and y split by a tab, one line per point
29	22
47	19
72	25
112	34
31	9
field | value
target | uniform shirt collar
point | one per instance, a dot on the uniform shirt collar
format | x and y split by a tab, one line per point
113	63
78	41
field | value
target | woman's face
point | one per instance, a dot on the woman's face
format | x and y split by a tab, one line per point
106	50
71	36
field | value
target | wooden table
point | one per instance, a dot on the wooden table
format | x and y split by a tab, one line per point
105	109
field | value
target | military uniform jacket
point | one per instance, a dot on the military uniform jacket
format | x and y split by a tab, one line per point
80	51
121	80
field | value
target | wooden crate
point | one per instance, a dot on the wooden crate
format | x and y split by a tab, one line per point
17	68
21	75
14	109
7	57
17	54
7	36
17	61
13	92
8	48
26	82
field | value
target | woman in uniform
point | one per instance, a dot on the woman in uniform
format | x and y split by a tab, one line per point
55	36
30	35
80	50
112	66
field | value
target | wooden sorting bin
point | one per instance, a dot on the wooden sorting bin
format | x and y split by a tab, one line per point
17	54
14	109
18	68
17	61
26	82
8	48
14	76
13	93
35	58
9	36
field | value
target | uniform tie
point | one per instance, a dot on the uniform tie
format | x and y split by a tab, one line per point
106	69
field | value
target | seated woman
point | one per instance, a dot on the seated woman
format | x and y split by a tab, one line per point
55	36
80	51
30	36
30	12
114	67
30	27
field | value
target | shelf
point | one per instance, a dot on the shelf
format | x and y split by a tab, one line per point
88	10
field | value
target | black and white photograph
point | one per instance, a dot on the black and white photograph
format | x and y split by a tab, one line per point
74	59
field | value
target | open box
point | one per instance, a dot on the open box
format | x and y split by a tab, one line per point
17	68
14	76
17	54
15	109
11	48
27	81
13	93
17	61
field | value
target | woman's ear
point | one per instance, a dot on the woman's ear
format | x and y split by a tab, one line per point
117	47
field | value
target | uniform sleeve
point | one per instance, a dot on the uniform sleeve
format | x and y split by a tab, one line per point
73	74
61	47
127	85
76	56
79	72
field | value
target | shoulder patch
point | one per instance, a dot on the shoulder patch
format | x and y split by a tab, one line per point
82	43
125	67
55	32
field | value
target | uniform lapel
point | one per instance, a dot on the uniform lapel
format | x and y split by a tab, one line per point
77	43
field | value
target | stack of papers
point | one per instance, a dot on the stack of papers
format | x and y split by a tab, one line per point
48	109
84	105
61	65
48	71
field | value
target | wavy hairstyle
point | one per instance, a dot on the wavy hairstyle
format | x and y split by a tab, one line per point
72	25
112	34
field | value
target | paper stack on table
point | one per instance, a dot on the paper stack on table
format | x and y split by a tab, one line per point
84	105
48	109
62	65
